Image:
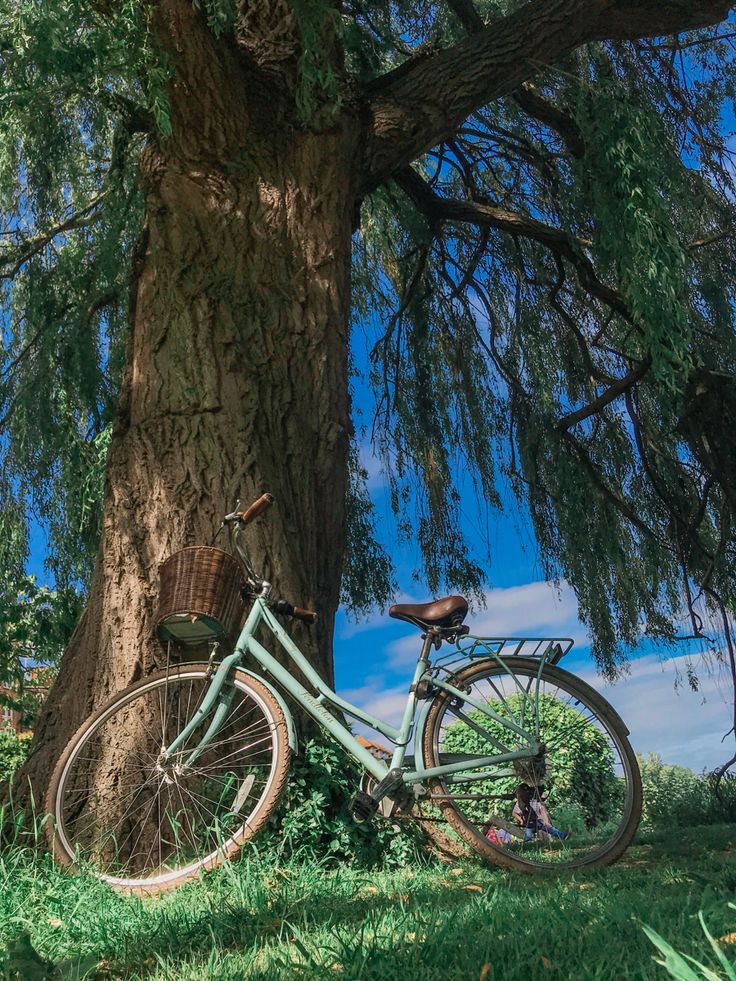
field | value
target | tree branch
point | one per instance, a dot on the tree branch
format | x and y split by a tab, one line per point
466	13
560	242
13	259
610	495
613	392
424	101
527	96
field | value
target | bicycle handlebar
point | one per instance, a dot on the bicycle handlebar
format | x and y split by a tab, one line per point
286	609
244	518
257	507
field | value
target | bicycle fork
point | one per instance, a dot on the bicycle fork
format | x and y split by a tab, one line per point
218	697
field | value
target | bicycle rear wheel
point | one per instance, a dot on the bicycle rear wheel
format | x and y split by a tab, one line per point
144	824
576	806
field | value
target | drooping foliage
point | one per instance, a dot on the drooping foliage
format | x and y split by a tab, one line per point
567	269
547	297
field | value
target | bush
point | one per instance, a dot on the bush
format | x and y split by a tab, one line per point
675	796
313	816
13	751
581	776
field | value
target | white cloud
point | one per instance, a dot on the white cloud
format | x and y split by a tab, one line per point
387	705
542	608
376	620
683	726
373	466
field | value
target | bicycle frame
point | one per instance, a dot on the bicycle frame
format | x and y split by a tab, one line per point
218	695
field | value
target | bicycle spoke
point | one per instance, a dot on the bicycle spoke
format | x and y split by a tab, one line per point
582	809
131	812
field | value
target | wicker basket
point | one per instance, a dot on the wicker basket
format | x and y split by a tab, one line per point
199	596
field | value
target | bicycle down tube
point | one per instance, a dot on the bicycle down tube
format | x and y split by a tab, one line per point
216	696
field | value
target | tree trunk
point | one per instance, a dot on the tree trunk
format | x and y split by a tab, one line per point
236	381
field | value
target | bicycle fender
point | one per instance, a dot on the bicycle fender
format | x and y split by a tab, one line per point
290	727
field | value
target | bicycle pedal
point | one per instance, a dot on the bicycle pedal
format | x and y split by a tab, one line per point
363	807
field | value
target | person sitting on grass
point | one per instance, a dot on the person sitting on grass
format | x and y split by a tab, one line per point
531	813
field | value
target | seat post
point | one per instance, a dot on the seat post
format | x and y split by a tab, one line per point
426	645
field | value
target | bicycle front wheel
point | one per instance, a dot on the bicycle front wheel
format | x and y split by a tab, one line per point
575	805
145	824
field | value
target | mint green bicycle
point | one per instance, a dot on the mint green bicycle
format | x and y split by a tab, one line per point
511	755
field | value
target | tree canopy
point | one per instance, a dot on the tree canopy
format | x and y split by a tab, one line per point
543	265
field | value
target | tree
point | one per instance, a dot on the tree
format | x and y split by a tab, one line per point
536	201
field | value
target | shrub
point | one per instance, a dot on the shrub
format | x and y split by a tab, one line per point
581	776
13	751
675	796
314	817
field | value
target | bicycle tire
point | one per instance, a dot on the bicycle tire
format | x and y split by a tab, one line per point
471	832
58	831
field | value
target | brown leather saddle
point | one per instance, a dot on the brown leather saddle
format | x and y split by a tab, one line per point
444	613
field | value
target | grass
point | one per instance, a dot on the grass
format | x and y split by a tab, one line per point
270	922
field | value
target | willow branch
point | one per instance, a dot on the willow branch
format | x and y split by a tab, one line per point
424	101
527	96
559	241
13	259
613	392
610	495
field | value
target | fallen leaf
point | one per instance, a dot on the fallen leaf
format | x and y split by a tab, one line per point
585	885
485	972
473	888
370	889
456	871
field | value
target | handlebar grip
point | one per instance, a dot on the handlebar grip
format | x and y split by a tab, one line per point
306	615
286	609
257	507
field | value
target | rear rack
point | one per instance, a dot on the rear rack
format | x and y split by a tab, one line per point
470	647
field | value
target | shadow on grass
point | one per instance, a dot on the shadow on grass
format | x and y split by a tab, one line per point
268	924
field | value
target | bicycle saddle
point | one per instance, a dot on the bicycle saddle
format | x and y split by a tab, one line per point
447	612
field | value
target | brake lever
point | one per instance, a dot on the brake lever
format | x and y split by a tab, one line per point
234	515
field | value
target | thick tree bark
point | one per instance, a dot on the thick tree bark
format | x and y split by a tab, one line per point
423	102
236	382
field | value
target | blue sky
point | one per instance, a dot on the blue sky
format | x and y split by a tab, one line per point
375	658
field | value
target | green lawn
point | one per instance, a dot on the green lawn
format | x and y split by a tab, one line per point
265	922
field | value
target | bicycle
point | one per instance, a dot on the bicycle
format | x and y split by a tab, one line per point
173	775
